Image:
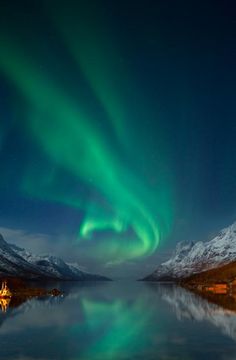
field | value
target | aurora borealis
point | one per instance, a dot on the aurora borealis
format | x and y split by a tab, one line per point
122	118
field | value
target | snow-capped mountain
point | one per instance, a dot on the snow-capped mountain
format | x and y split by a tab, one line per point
15	261
192	258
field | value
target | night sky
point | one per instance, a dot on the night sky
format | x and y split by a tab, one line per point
117	128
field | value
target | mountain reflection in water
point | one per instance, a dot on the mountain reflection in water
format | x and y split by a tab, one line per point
188	305
118	320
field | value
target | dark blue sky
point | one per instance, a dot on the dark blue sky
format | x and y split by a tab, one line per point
173	67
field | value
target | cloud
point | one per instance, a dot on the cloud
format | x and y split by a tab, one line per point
38	243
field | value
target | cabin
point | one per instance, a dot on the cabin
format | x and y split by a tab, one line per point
217	288
5	292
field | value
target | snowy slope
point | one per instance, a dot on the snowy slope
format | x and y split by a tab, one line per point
192	258
55	266
15	261
14	264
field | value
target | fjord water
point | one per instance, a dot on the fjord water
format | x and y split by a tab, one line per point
118	320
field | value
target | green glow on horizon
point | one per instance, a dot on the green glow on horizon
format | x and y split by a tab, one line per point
131	217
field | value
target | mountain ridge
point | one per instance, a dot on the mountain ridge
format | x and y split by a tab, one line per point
18	262
191	258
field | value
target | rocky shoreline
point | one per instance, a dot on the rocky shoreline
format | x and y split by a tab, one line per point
15	287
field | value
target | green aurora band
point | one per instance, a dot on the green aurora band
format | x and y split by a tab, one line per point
88	43
128	216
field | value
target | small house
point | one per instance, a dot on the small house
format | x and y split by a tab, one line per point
217	288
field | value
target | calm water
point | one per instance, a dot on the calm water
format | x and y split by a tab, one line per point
118	320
